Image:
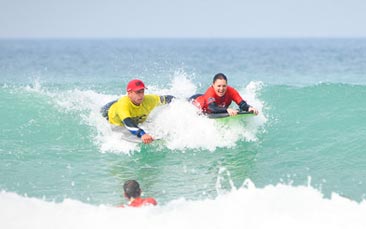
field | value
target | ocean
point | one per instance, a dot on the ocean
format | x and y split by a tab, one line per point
301	163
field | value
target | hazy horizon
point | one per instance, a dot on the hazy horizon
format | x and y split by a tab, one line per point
207	19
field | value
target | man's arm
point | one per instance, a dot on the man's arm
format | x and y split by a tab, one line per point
133	128
164	99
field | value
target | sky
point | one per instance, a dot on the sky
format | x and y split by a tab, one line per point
182	19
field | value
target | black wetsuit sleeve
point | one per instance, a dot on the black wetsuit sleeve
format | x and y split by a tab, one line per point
105	109
213	108
164	99
243	106
133	128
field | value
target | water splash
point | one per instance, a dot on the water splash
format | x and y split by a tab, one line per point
279	206
179	123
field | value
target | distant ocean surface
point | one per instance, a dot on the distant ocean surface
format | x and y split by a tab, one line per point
301	163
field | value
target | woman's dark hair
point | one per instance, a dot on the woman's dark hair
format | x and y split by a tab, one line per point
132	189
220	76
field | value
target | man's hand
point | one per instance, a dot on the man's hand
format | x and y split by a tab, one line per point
147	138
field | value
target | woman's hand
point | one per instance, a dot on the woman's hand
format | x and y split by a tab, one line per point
232	112
253	110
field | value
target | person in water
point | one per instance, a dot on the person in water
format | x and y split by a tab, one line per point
132	192
219	96
133	109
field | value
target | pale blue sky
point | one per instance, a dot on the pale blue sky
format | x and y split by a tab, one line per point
185	18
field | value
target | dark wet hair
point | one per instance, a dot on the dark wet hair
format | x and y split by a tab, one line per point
132	189
220	76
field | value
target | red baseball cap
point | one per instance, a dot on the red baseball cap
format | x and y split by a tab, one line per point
135	85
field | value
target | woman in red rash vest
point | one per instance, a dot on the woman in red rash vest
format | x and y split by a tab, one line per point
218	98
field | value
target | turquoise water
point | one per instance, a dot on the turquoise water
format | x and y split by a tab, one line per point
306	146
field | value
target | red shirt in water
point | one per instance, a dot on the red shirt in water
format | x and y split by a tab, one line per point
139	202
224	101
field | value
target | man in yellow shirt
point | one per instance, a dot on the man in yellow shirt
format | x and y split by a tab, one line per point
134	108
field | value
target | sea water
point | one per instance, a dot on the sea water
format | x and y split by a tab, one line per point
300	163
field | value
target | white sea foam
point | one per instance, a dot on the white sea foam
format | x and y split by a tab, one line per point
183	128
280	206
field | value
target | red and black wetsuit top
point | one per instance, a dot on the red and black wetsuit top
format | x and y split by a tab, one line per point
139	202
212	103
